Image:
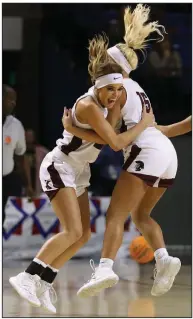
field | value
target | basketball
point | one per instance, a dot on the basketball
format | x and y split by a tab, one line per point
140	250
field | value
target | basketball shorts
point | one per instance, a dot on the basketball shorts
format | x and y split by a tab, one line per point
55	174
157	168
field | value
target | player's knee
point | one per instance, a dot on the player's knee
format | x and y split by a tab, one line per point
140	219
86	235
74	234
77	232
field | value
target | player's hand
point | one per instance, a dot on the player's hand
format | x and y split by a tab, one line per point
67	119
148	118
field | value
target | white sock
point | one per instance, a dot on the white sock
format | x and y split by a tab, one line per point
160	253
38	261
53	269
106	262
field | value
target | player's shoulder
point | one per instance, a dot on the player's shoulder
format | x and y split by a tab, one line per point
87	103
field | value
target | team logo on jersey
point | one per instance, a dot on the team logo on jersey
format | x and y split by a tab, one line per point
139	166
47	184
7	139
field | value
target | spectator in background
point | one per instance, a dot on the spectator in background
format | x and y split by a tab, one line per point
35	154
166	63
166	60
13	143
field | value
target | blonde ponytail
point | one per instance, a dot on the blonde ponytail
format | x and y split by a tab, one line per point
137	30
100	62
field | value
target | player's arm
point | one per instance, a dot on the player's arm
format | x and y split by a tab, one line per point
96	120
117	141
176	129
90	135
113	118
84	134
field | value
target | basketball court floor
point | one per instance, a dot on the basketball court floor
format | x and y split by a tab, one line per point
129	298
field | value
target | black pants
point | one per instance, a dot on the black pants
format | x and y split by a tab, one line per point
11	186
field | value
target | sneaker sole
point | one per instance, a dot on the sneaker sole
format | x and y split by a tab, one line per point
13	284
174	268
54	312
95	289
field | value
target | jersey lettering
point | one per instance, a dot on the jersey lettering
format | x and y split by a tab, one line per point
145	102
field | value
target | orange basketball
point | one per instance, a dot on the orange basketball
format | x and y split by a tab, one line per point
140	250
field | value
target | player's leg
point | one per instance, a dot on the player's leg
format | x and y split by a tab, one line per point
167	267
164	166
66	208
85	218
50	272
144	222
128	190
81	179
82	183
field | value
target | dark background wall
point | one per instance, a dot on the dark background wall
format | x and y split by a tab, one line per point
174	211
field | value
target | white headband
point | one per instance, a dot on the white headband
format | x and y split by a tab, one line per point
113	78
119	58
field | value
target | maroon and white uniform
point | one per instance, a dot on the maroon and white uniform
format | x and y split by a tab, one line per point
67	165
152	156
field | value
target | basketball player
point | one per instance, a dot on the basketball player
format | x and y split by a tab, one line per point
150	166
65	174
176	129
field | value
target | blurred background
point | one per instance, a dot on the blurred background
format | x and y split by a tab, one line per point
45	59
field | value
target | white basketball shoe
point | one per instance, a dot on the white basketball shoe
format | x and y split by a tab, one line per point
164	274
47	296
26	286
102	277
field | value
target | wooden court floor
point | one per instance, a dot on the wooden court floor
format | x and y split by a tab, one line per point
129	298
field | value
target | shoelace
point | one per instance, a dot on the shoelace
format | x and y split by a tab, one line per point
155	272
53	295
31	281
37	282
157	268
92	264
